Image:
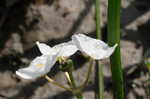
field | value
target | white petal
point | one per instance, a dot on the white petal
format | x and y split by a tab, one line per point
97	49
38	67
45	49
66	49
110	51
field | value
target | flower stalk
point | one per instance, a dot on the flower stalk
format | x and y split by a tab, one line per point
73	84
99	66
69	75
113	38
77	92
56	84
88	75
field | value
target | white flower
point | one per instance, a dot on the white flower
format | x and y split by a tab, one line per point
96	49
42	64
44	49
65	49
38	67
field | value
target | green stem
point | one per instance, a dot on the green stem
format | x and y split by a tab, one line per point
113	38
99	66
69	75
76	92
56	84
98	21
88	75
100	80
72	79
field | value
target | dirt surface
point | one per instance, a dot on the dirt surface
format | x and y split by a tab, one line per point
23	22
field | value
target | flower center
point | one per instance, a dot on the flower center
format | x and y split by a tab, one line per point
40	65
61	59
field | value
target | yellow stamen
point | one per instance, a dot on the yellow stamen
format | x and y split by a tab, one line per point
39	65
61	59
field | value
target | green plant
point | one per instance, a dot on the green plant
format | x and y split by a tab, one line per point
113	38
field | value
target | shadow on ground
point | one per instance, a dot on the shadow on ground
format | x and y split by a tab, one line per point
13	62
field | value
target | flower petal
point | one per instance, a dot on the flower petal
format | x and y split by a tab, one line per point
38	67
66	49
44	49
97	49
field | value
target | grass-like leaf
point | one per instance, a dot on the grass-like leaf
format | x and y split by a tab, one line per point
113	38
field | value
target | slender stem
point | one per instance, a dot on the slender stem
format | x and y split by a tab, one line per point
57	84
98	21
72	79
88	74
68	77
100	80
99	66
73	85
113	38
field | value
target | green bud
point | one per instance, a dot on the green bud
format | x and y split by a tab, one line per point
66	66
